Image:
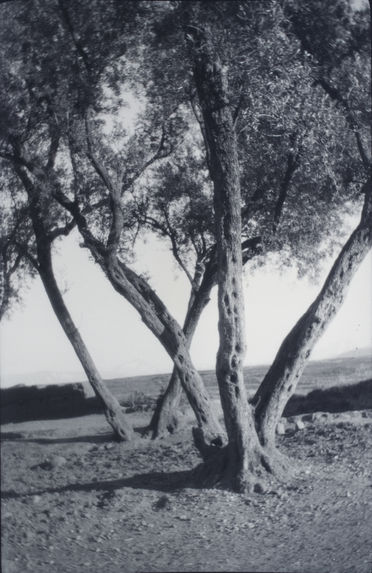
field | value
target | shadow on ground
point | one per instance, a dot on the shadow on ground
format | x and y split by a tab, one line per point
161	481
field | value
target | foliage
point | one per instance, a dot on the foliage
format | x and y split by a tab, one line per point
70	70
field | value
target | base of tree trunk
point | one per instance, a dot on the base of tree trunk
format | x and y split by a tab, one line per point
165	419
163	427
123	432
207	444
264	471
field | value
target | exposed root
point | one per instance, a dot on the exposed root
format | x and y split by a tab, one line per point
123	432
264	471
277	464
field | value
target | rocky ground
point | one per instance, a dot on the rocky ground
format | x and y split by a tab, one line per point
73	500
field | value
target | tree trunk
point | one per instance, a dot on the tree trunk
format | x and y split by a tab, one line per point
283	376
38	208
112	409
169	333
165	417
241	464
4	289
154	314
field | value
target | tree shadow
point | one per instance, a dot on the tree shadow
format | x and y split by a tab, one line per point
86	438
159	481
94	438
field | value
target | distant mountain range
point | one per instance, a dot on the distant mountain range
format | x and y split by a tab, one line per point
41	377
46	377
365	352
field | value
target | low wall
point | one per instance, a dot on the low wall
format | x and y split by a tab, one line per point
336	399
22	403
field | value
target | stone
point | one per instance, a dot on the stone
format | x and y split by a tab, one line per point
299	425
259	488
280	429
58	461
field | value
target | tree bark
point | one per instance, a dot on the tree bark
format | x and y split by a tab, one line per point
165	417
241	463
169	333
136	290
4	289
112	409
284	374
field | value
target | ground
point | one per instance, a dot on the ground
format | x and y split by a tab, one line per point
73	500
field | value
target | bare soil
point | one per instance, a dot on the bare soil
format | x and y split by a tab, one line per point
74	500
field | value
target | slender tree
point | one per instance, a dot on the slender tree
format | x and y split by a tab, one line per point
282	378
28	234
329	67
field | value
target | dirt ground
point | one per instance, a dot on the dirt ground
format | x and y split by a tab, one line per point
73	500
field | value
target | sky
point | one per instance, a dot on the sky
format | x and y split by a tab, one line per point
33	343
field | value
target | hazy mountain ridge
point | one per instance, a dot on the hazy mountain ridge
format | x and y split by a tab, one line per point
366	352
253	373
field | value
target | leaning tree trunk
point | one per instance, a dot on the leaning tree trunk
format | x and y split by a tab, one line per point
165	418
112	409
169	333
241	464
4	288
282	378
38	210
136	290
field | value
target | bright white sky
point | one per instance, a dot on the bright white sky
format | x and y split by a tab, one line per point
32	339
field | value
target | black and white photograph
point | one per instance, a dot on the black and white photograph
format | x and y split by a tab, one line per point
186	286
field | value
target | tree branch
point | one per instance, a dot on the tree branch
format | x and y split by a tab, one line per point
97	164
160	153
290	169
78	46
97	248
62	231
53	148
175	249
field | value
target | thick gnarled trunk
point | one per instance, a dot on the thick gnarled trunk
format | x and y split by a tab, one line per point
155	316
240	464
165	418
281	379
